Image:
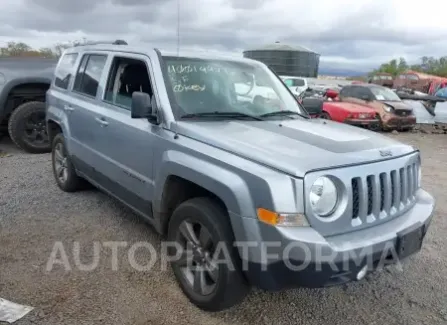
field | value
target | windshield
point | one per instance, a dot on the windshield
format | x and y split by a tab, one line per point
197	86
384	94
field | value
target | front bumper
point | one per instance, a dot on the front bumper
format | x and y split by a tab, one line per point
369	123
303	258
398	122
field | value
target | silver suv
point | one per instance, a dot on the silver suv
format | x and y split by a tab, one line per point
248	193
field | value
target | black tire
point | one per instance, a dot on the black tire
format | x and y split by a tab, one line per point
72	182
230	288
19	126
325	116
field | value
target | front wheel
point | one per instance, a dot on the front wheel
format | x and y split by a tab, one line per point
27	128
205	262
325	116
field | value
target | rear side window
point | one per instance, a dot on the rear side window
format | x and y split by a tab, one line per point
89	74
345	92
64	70
359	92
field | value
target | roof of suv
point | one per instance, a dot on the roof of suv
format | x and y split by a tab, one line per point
146	48
365	85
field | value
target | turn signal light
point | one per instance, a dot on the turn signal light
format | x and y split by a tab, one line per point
282	219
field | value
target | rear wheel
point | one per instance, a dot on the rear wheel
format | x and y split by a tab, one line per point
63	169
208	267
27	128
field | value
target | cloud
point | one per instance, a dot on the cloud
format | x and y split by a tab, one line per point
347	33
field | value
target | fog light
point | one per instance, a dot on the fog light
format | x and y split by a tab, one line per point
362	273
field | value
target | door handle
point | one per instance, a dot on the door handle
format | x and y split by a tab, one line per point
68	108
102	121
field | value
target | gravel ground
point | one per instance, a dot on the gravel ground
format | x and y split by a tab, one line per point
34	214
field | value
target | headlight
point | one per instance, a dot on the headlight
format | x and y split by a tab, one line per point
323	196
387	108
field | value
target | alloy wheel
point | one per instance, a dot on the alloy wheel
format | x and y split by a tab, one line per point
197	263
60	163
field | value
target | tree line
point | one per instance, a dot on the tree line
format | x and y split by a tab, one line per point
428	64
20	49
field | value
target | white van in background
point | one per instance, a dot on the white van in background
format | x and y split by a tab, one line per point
297	85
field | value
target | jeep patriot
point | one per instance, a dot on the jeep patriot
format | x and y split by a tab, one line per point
247	193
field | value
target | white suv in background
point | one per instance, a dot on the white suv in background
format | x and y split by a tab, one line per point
297	85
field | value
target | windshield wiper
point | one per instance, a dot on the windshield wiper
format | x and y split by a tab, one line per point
235	115
282	113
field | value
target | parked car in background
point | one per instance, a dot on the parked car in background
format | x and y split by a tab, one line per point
23	84
296	84
221	177
392	112
351	113
417	81
382	79
344	112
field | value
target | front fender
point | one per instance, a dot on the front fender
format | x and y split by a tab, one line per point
227	185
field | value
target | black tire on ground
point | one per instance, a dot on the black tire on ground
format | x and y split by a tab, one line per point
407	129
27	128
230	288
325	116
71	182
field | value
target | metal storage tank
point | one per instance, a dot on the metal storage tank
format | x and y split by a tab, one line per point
287	60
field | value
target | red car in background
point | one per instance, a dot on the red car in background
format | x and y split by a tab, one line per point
354	114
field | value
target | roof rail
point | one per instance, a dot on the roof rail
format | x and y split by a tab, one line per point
116	42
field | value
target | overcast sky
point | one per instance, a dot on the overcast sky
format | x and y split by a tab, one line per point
347	33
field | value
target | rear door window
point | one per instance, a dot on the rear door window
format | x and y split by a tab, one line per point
345	92
89	74
64	70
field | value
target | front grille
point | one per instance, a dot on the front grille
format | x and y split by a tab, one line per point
402	112
377	196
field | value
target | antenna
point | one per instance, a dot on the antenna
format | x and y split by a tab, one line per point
178	27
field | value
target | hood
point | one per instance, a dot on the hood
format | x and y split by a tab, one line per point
294	146
353	108
399	105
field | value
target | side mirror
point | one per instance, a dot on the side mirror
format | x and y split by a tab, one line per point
141	106
314	106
